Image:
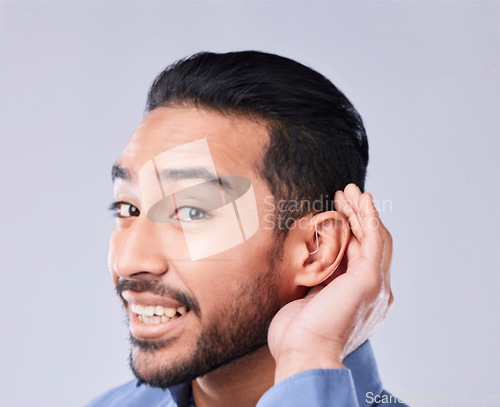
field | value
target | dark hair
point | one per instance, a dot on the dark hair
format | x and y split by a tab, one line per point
318	142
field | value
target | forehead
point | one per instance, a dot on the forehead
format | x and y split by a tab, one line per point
236	143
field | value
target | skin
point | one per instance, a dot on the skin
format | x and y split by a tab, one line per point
316	329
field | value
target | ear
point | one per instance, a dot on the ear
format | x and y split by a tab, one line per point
318	246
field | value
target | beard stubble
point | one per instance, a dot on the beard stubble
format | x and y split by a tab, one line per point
239	328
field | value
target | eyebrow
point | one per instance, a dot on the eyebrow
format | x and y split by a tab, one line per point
194	173
118	172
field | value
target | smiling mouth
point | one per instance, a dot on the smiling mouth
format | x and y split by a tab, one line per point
156	314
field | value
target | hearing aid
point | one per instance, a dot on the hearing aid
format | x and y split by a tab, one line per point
317	240
315	251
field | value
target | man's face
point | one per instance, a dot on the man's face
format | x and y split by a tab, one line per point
216	305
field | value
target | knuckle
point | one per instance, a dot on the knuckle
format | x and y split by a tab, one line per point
367	195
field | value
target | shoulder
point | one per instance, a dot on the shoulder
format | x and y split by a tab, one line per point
132	394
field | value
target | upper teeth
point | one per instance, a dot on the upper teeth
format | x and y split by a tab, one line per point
148	311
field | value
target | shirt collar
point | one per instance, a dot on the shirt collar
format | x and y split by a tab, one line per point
182	394
361	363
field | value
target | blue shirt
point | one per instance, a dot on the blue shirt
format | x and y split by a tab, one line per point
357	385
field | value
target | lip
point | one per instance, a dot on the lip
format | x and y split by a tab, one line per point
132	297
153	331
142	330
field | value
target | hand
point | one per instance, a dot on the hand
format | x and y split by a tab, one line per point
337	316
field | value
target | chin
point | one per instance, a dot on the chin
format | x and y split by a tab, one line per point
158	367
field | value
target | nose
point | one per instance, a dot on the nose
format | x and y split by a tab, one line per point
137	251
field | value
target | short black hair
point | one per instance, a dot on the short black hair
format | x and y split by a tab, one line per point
318	142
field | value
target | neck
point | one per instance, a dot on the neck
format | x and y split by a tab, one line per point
240	383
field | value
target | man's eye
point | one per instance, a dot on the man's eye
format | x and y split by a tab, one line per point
124	210
188	214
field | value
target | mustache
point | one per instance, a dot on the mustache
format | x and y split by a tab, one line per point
156	288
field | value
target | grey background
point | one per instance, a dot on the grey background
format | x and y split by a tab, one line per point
73	82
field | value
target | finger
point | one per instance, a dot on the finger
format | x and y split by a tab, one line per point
352	194
353	250
388	248
387	251
376	246
372	245
343	207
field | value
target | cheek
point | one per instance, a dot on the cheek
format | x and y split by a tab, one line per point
221	279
